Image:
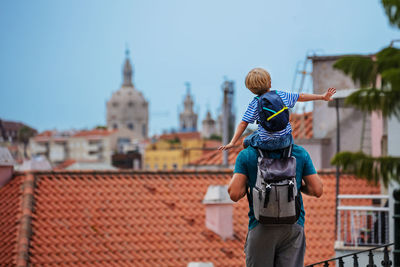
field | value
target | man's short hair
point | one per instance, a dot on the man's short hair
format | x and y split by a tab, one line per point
258	81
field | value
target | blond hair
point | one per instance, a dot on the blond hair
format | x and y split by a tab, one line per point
258	81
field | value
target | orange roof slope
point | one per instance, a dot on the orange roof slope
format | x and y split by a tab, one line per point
302	125
320	214
181	136
142	219
10	215
129	219
215	157
65	164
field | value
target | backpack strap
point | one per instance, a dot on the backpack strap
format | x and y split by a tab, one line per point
287	152
261	153
275	113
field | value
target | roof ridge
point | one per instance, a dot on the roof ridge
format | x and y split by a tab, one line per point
138	172
25	224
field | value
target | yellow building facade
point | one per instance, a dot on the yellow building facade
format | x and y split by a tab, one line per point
173	154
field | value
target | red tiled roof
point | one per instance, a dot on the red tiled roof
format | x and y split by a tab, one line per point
94	132
65	164
212	144
320	214
10	215
215	157
302	125
124	219
13	125
181	136
45	134
142	219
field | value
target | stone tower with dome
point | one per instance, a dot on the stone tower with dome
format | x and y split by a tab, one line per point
127	108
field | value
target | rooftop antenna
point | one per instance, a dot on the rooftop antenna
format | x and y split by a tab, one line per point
303	72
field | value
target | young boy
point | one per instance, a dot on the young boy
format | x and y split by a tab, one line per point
258	81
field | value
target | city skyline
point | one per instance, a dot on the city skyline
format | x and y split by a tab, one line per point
62	61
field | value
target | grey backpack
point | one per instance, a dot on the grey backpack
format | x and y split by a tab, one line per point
275	196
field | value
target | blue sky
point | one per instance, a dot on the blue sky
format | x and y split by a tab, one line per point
61	60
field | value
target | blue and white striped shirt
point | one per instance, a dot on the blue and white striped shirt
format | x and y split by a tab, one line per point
251	115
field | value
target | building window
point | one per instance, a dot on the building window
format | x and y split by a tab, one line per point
165	167
156	166
175	166
130	126
115	104
144	130
130	104
115	126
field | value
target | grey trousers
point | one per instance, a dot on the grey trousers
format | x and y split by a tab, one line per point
279	245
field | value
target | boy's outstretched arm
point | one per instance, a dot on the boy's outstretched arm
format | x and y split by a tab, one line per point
311	97
238	133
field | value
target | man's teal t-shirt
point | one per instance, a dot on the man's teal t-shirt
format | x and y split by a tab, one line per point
246	163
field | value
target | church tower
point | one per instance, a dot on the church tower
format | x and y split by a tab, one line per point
188	118
208	126
127	108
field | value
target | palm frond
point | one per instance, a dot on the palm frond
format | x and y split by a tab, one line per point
374	169
388	58
392	10
360	68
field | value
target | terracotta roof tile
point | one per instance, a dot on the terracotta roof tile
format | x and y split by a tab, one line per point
120	218
181	136
320	214
45	134
10	213
65	164
215	157
302	125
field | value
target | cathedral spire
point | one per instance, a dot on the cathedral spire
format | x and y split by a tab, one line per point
188	118
127	72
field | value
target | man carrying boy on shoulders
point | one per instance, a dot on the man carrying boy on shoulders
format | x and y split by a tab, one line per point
274	245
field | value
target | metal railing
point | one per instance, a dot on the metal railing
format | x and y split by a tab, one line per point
363	225
386	262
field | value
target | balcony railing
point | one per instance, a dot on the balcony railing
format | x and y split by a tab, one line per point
362	221
352	258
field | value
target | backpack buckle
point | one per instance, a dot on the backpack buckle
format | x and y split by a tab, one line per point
268	188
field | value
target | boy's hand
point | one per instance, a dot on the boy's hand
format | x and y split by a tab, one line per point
328	95
226	147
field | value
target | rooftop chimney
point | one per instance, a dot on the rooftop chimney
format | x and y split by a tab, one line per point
6	166
219	211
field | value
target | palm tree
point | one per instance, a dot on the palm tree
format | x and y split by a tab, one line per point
379	79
